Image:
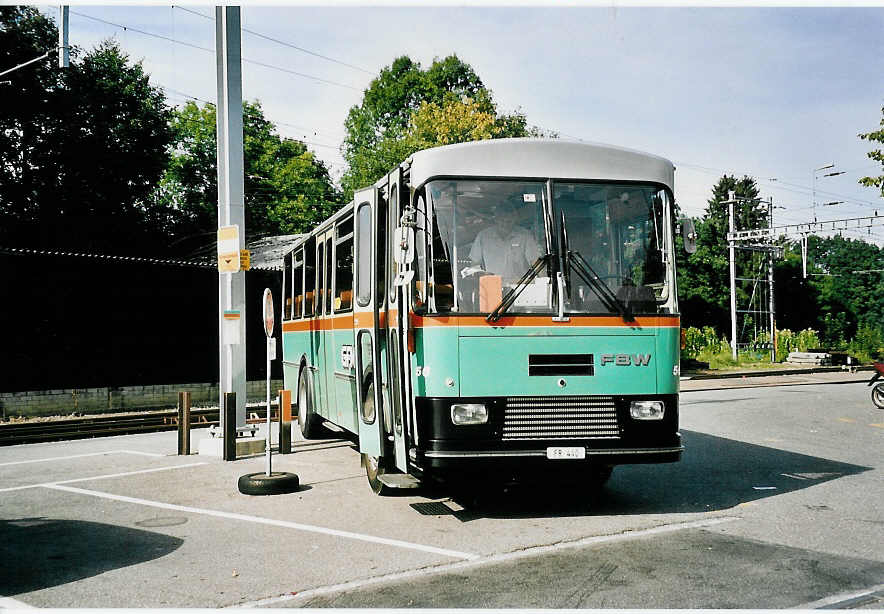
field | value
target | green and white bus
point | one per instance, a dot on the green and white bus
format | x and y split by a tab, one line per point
502	306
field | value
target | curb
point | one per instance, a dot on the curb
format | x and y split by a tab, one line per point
771	372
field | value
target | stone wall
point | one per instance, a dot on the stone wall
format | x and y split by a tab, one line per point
33	403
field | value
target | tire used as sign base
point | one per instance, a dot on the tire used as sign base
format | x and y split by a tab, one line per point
277	483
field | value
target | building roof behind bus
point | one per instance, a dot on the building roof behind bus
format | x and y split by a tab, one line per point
540	158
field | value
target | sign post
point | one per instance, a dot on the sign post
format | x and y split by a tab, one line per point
268	483
268	331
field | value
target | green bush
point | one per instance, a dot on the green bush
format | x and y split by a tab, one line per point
868	344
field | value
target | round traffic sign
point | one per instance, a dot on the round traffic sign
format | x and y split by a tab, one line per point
268	312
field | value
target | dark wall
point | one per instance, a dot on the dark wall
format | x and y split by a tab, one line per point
72	322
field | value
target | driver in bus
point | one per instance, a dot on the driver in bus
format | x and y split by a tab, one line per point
504	248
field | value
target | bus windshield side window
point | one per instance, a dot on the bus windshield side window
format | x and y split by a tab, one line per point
420	247
344	266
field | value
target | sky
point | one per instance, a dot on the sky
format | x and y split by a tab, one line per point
773	93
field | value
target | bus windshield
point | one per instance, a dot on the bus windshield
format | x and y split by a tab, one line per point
487	234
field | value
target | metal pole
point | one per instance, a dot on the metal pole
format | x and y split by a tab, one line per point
64	49
731	256
285	421
183	423
231	210
770	277
228	421
267	452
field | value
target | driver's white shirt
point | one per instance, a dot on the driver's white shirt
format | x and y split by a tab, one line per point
510	258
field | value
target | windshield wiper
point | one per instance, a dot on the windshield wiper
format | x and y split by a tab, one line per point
573	259
587	274
516	290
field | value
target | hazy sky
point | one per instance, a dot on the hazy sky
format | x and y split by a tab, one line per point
769	92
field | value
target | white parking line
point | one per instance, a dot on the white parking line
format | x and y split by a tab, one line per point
8	603
269	521
98	477
56	458
481	561
839	599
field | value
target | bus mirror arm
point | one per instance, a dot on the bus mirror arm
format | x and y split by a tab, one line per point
403	243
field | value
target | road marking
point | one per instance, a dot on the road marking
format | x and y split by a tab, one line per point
55	458
269	521
848	420
839	599
488	560
879	425
8	603
98	477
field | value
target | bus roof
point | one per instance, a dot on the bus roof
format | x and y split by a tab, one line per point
540	158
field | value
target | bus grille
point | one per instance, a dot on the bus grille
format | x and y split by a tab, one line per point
566	417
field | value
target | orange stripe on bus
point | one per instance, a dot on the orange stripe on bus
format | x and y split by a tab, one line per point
365	320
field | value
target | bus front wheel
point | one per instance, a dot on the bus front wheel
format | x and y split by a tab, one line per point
308	420
373	471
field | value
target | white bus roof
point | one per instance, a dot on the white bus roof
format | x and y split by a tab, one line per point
540	158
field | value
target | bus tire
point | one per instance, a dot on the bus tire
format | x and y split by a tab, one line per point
308	420
374	468
277	483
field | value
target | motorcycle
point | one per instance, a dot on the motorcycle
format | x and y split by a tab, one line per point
878	388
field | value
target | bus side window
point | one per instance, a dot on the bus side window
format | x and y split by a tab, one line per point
363	294
344	266
297	285
320	279
420	248
329	267
287	286
309	277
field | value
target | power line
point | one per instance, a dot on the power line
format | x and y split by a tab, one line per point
212	51
275	40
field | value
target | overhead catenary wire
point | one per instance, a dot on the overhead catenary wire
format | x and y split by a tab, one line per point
201	48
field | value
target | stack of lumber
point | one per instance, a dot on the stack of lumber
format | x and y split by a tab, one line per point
817	359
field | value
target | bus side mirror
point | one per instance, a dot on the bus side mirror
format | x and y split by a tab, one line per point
689	234
403	246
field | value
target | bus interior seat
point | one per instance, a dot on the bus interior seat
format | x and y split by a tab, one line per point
345	301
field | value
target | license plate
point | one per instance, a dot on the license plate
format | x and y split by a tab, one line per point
557	453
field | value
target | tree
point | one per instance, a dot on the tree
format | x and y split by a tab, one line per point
876	154
81	147
287	189
704	285
406	109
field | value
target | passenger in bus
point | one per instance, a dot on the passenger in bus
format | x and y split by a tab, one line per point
504	248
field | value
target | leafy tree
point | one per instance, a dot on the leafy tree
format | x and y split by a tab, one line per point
407	108
704	286
287	189
851	289
876	154
80	146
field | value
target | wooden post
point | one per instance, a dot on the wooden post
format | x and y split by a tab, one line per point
285	421
183	423
229	426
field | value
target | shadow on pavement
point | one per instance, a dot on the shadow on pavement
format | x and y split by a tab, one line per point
715	473
41	552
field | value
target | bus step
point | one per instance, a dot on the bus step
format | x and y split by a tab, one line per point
399	480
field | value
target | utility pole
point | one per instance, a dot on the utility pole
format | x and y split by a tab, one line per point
731	200
64	49
231	208
770	281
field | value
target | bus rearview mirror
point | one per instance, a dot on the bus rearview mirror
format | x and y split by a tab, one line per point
403	246
689	234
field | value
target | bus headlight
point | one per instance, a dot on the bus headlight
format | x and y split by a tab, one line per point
469	413
646	410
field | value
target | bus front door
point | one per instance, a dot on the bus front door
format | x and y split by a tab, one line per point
366	324
397	353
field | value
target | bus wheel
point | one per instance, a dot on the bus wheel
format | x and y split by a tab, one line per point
373	471
309	421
